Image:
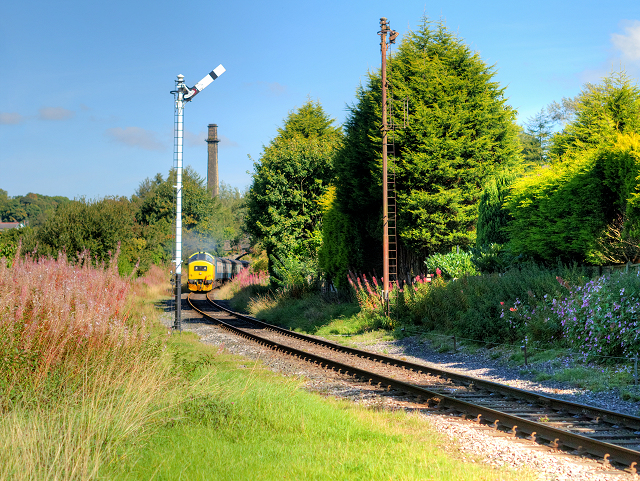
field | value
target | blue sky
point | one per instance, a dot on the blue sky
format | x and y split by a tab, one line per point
85	108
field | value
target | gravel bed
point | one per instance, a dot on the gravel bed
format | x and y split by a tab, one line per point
481	365
474	443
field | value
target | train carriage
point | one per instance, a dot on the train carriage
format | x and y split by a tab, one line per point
206	271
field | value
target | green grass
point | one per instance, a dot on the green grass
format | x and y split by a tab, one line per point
240	421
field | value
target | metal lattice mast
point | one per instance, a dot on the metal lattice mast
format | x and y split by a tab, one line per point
183	94
177	154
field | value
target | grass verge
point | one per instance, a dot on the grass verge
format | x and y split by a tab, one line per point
346	323
241	421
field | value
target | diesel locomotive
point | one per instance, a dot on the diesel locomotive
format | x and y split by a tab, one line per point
207	271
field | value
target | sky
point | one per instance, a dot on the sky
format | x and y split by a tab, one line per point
85	103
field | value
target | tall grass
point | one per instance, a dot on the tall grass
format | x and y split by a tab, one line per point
244	288
79	376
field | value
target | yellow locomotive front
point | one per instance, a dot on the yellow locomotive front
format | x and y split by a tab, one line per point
202	272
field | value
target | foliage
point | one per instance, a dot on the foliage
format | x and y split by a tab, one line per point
601	317
620	166
207	222
492	217
493	258
141	227
459	131
535	138
600	113
453	265
617	245
473	307
293	276
98	226
294	172
561	211
13	239
31	209
351	229
337	235
556	211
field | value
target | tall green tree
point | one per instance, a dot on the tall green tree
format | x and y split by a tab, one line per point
598	114
535	138
293	173
560	211
460	130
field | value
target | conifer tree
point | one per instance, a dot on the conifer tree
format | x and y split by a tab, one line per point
293	173
459	131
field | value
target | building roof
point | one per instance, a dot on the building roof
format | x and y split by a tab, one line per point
10	225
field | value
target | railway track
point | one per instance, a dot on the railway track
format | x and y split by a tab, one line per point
611	437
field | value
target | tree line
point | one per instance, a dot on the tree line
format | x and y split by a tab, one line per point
562	187
141	227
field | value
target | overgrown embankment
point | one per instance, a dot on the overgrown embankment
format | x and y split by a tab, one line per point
80	377
92	388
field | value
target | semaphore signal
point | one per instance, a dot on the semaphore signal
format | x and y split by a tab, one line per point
183	94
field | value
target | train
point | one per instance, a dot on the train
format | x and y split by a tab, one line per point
207	271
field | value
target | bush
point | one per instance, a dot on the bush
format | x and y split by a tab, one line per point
490	308
452	265
295	277
493	258
601	317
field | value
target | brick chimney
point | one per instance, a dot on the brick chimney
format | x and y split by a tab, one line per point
212	165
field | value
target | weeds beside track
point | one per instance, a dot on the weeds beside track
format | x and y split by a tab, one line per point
581	428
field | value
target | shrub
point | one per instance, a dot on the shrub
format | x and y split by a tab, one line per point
494	258
294	276
601	317
478	308
452	265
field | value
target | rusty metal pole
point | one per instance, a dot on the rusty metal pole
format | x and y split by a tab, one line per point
384	29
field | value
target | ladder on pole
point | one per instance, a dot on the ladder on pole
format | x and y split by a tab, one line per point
392	212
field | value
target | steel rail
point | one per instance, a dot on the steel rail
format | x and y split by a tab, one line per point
517	426
550	402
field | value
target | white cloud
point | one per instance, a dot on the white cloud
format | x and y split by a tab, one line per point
227	142
200	140
194	140
55	113
9	118
136	137
629	43
270	88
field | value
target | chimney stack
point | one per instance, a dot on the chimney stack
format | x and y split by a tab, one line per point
212	166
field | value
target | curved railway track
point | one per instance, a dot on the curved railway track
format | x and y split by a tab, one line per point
584	430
